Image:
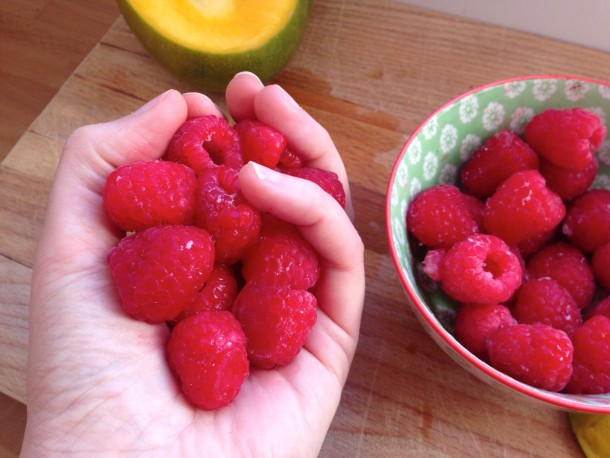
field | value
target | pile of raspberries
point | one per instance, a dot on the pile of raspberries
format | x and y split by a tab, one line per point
523	247
234	285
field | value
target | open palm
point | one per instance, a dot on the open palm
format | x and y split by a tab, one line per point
98	382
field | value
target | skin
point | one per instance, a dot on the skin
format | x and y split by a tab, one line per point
97	381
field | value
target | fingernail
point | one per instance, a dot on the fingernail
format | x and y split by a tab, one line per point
253	75
263	173
152	103
288	98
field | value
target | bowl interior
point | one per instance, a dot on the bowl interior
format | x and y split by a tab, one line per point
434	154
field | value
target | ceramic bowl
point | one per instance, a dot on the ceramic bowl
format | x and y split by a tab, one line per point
434	153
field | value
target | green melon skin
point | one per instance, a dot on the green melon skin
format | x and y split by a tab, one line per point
211	72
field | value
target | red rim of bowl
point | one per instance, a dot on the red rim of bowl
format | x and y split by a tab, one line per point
557	399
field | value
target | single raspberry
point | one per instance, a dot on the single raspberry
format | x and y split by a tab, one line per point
260	143
475	324
205	142
432	263
587	222
153	193
207	352
439	216
223	211
281	256
159	271
289	159
566	137
522	207
600	262
568	184
276	320
328	181
502	154
543	300
601	308
536	354
568	266
481	269
591	357
218	292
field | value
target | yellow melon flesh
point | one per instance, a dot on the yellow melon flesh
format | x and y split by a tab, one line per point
207	41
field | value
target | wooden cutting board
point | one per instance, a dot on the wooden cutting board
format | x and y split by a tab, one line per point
370	71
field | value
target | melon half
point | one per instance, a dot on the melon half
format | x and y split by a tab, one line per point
206	42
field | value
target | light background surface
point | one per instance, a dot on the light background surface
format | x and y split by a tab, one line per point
584	22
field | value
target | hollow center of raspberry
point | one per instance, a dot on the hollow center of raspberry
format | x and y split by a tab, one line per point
214	151
492	266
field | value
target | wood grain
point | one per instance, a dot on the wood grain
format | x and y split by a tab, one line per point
370	71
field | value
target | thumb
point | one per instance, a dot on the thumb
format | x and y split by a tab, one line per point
75	216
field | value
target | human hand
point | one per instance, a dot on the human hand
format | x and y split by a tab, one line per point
97	380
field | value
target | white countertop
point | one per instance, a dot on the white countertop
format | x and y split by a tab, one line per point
584	22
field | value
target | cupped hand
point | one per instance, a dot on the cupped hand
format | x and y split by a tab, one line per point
97	380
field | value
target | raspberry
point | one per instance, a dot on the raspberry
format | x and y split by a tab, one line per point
480	269
567	138
432	263
536	354
223	211
328	181
260	143
568	266
208	354
146	194
568	184
587	223
205	142
543	300
276	320
475	324
439	216
522	207
591	357
281	256
600	262
601	308
159	271
218	292
503	154
290	159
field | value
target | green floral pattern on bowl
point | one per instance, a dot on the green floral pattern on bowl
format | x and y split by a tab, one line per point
434	154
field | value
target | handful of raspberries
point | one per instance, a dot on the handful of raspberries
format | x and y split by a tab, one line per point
233	285
524	248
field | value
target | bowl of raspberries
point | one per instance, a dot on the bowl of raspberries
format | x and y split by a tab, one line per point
498	222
